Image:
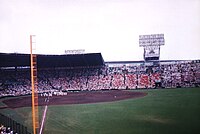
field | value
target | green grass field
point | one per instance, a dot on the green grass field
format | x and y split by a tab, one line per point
166	111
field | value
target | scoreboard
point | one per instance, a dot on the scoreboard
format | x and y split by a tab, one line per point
151	44
151	40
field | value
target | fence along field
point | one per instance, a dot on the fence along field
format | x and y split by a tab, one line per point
161	111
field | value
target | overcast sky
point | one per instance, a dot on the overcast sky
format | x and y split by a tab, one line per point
111	27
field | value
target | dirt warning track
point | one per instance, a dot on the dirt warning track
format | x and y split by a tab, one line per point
81	97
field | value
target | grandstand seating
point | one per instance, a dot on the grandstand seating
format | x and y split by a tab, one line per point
131	81
15	82
143	81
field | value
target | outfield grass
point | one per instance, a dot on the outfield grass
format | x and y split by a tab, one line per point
174	111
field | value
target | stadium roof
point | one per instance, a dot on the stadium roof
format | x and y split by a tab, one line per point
50	61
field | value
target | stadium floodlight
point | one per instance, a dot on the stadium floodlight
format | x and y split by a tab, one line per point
151	44
73	52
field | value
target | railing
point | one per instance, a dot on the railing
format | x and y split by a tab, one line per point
15	126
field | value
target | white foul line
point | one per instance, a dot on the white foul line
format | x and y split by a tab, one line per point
43	118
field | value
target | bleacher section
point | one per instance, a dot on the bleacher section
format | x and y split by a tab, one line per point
17	82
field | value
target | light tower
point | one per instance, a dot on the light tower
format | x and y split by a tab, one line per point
151	44
34	84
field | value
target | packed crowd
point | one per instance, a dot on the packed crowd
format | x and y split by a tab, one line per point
180	75
171	75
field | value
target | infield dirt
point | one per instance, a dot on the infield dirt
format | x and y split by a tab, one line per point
81	97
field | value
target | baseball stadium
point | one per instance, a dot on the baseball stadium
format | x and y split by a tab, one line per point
81	93
99	67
